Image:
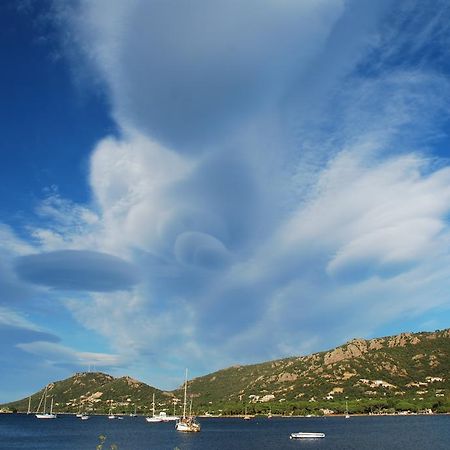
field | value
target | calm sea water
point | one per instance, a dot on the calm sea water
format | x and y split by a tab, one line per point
18	431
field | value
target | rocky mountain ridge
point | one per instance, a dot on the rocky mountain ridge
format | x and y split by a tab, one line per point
412	368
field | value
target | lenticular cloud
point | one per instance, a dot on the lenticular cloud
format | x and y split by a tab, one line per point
78	270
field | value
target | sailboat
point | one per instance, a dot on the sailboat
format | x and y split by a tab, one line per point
187	423
134	414
246	416
166	418
29	405
82	414
45	415
347	415
110	414
153	418
79	413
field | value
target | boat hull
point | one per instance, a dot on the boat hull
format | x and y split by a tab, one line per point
187	426
46	416
153	419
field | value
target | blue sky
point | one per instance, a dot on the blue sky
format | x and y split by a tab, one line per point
205	183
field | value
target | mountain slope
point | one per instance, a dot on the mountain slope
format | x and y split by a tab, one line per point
93	392
409	366
409	371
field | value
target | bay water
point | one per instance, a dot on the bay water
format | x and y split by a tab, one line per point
26	432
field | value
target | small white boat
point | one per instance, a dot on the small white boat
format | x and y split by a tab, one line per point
165	418
247	416
84	417
305	435
110	414
154	418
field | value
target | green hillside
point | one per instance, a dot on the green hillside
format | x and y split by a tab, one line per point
408	372
93	392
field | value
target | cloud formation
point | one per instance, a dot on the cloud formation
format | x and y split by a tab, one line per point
275	178
213	64
77	270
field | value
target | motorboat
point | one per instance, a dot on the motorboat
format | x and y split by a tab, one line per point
306	435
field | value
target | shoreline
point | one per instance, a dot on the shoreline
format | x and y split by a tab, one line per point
257	416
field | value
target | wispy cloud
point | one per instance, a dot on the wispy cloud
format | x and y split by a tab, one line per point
61	355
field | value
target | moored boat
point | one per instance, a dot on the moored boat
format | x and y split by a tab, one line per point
154	418
110	414
306	435
45	415
165	418
187	424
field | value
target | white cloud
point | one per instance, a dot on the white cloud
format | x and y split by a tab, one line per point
11	244
188	74
58	354
130	181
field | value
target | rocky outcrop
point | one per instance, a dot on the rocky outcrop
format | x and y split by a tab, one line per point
286	376
353	349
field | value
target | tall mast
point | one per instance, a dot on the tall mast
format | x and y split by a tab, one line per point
153	404
51	406
29	405
42	399
185	394
45	400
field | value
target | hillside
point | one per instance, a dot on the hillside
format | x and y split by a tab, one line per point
409	371
413	368
93	392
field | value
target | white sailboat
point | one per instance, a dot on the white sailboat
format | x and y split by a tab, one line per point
247	416
185	423
110	414
166	418
134	414
29	405
45	415
347	415
83	415
79	413
153	418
